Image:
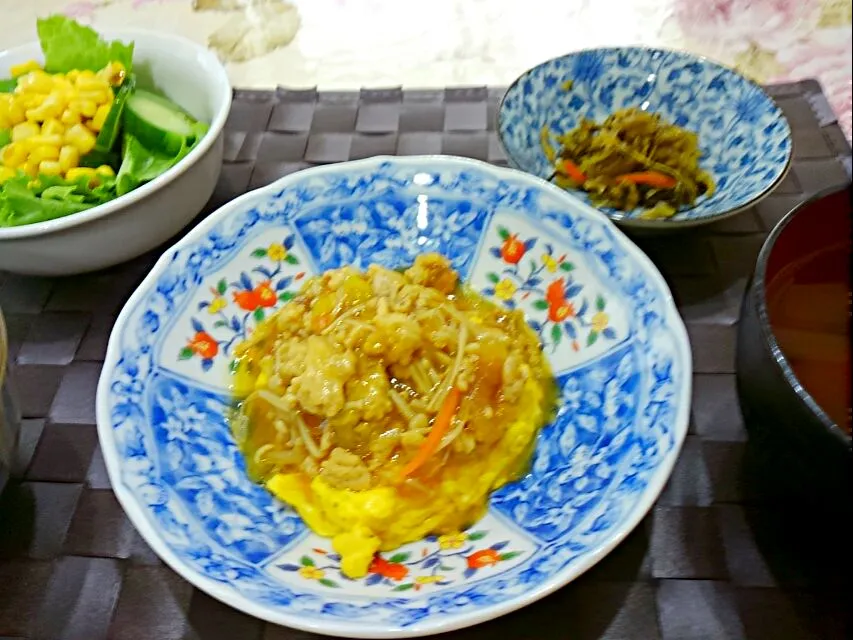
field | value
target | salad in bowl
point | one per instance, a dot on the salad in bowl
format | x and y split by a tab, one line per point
78	130
110	144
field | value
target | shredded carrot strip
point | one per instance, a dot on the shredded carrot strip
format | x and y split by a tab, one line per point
650	178
439	427
570	169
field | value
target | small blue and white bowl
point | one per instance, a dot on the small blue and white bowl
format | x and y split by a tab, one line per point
621	358
744	135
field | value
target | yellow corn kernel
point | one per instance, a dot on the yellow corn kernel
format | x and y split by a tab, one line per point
105	170
113	73
50	168
43	152
80	137
6	173
69	157
97	122
86	108
25	67
79	172
85	74
14	155
51	106
70	117
35	81
55	104
16	112
95	83
52	127
63	84
98	97
25	130
31	100
72	75
54	140
31	169
6	100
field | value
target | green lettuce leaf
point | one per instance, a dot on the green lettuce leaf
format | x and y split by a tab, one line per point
7	85
20	205
66	193
68	45
140	164
27	201
5	137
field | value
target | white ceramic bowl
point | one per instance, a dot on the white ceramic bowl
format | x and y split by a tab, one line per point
144	218
745	138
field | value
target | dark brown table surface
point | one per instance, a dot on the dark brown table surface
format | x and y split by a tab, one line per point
723	554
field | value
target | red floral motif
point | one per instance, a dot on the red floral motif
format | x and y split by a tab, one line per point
559	309
556	293
247	300
203	344
565	311
443	560
562	309
513	250
483	558
265	294
391	570
251	298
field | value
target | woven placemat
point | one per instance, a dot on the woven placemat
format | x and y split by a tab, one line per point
721	555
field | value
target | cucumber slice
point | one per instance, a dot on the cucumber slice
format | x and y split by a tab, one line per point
108	135
157	123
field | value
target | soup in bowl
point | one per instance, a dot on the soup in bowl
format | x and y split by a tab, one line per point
793	353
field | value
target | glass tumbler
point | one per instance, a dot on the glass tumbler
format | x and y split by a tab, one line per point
9	416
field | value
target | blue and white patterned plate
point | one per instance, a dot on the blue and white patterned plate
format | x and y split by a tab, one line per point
607	322
745	137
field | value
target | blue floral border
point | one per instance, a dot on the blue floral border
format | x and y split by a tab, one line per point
135	445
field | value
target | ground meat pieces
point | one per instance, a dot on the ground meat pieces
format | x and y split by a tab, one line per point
382	448
369	393
320	388
401	336
434	271
514	375
386	283
406	298
467	372
347	379
345	470
290	360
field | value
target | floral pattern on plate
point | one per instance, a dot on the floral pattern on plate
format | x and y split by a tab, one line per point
623	405
489	547
227	309
522	267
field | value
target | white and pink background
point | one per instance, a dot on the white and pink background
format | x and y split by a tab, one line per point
348	44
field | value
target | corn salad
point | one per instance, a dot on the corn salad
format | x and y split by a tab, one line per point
55	120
